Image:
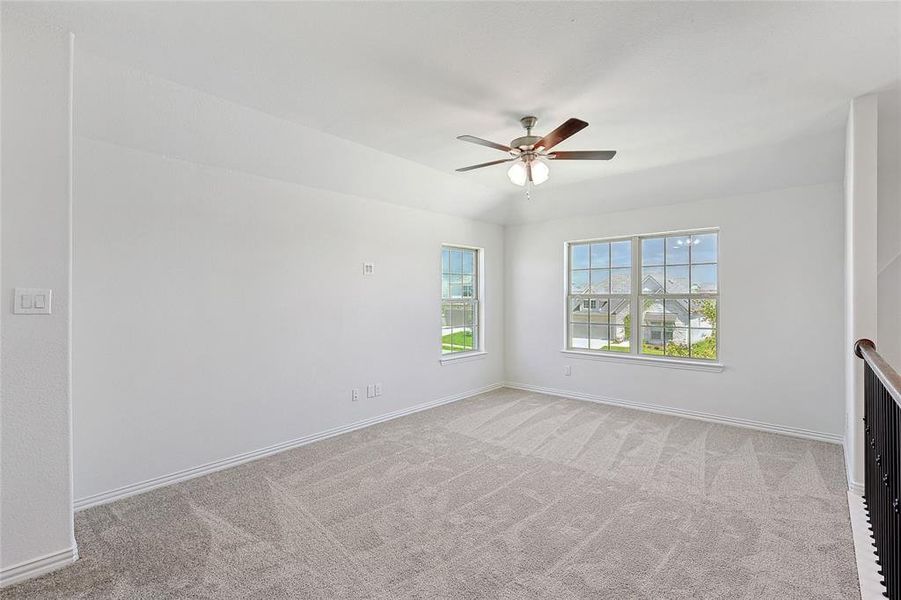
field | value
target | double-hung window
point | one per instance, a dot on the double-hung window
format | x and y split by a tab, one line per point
600	288
460	318
647	295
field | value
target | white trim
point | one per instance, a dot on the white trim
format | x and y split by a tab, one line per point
38	566
628	236
832	438
853	486
463	357
671	363
635	295
480	297
183	475
69	289
871	587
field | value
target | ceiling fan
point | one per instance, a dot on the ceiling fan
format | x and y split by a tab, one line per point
530	153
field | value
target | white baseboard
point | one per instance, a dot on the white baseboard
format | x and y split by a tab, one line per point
149	484
871	587
37	566
832	438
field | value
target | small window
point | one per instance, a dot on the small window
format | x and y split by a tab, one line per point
669	282
460	310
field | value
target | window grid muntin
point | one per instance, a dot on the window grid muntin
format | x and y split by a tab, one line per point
637	297
602	330
687	296
460	314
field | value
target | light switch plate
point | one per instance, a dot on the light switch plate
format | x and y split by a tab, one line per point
32	301
368	269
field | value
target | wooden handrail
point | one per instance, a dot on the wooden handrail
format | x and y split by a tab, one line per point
889	377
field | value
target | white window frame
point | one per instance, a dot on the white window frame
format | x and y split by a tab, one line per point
479	298
634	355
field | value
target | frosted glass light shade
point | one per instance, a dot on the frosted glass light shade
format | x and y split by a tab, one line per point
517	173
540	172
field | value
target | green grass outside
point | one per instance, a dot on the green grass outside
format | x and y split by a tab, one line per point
705	349
614	348
647	348
459	340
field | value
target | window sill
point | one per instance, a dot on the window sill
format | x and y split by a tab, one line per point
462	357
670	363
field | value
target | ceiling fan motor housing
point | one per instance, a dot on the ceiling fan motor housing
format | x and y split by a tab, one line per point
528	141
525	142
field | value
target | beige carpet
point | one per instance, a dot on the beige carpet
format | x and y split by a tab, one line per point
506	495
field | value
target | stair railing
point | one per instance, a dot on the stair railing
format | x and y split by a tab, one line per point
882	455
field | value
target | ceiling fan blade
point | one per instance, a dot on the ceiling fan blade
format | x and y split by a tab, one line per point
583	155
570	127
487	164
475	140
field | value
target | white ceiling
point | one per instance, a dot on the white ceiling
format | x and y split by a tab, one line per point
720	89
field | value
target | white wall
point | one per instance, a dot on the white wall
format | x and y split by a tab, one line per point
218	311
888	250
35	476
780	318
860	240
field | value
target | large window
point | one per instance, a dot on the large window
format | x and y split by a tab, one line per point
459	299
654	295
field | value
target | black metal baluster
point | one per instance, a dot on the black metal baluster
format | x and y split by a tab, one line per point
893	499
882	463
887	484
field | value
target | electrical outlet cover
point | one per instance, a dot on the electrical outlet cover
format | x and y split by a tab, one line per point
32	301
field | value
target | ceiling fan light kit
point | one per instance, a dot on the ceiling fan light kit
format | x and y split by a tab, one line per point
530	152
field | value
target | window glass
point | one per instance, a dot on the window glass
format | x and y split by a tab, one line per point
621	254
652	251
600	282
676	298
703	248
677	250
459	300
580	256
600	256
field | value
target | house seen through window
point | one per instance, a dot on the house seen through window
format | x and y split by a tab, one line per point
459	300
654	295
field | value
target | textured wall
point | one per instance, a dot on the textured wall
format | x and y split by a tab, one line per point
860	262
889	227
35	489
780	317
218	311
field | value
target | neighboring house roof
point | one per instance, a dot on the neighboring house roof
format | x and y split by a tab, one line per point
680	308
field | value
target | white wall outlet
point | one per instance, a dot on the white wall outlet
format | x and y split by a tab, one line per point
370	391
378	389
567	370
32	301
355	394
368	269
